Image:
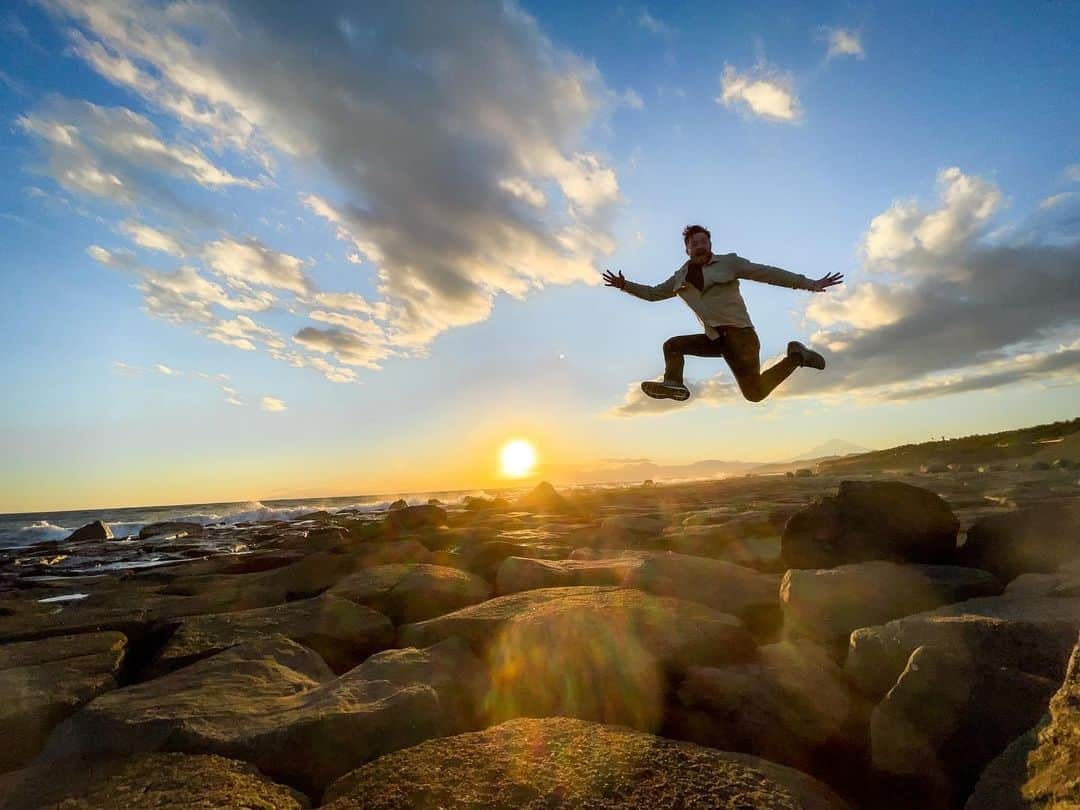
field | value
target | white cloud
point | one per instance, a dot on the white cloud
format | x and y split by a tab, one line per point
905	233
108	152
631	99
762	92
161	368
272	404
439	161
152	238
1072	173
125	370
844	42
252	262
1058	199
653	25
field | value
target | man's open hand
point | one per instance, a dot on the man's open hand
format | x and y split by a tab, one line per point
612	280
823	283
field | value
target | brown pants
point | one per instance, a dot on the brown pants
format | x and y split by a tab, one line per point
740	347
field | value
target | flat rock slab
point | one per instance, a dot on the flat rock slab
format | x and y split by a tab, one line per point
1033	635
730	588
156	782
412	592
600	654
1041	769
342	632
566	763
270	702
826	604
42	682
524	574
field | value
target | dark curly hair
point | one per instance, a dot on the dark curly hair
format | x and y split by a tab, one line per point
690	230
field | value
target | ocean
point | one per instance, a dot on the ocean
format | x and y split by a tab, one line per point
23	530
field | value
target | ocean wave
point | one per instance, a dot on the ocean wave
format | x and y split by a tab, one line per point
128	522
40	531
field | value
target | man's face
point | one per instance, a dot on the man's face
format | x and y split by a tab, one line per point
699	247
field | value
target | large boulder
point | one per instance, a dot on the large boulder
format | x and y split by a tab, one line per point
1040	770
791	705
1036	539
826	604
761	553
628	531
154	782
91	531
567	763
342	632
542	498
416	517
42	682
412	592
1033	635
750	595
458	677
524	574
872	520
597	653
948	715
484	558
270	702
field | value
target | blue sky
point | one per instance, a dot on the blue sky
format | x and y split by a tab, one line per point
251	253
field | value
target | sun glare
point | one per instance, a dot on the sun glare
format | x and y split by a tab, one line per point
517	458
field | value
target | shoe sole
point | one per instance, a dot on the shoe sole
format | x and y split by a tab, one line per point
806	357
660	391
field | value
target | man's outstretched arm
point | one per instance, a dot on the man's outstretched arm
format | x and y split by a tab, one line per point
665	289
784	278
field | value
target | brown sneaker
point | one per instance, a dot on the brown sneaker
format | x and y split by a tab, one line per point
666	390
804	356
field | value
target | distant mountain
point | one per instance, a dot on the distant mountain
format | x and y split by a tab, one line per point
833	447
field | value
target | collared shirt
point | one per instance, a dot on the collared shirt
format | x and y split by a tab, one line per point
718	302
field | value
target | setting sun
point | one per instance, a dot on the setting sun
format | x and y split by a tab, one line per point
517	458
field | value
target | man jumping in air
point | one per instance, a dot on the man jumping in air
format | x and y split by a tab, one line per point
709	284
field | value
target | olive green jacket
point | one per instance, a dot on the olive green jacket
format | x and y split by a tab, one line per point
720	303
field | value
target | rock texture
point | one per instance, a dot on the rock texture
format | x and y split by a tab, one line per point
42	682
157	782
826	604
565	763
1041	769
1032	635
412	592
270	702
342	632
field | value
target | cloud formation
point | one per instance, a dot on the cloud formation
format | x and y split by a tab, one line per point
454	137
844	42
762	92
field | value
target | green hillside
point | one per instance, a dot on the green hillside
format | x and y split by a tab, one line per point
1041	442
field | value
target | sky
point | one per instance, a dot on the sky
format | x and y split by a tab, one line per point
258	250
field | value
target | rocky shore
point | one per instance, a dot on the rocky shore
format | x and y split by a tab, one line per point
868	640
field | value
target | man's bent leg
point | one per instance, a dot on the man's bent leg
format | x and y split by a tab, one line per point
676	349
744	358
